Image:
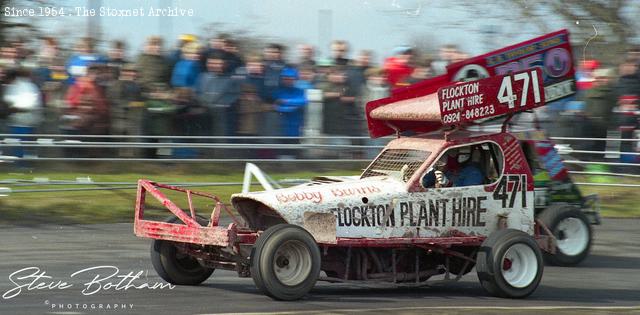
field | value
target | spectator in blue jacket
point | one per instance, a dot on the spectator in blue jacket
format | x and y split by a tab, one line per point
83	57
187	70
290	102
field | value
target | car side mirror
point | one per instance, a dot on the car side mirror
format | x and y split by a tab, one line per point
429	179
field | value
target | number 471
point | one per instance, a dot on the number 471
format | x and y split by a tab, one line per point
505	94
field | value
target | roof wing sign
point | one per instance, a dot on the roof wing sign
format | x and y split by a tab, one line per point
551	54
475	101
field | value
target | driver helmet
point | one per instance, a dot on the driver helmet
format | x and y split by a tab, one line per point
464	155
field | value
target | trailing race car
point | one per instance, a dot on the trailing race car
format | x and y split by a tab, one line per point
436	202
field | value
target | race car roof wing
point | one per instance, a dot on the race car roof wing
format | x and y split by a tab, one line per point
418	107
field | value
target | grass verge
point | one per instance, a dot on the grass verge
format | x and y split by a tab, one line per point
104	206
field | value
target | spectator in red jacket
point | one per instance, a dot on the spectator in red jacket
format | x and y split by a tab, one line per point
399	66
88	110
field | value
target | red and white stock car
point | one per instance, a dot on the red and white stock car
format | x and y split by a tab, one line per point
396	223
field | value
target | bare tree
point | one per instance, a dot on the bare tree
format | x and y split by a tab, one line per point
602	29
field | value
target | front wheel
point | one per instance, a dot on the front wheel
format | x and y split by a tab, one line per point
509	264
176	267
573	233
285	262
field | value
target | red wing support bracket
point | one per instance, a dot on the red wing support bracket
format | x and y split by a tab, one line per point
189	232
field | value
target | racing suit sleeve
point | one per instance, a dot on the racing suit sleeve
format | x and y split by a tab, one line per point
469	176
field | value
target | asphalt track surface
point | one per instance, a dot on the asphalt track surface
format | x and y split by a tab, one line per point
607	282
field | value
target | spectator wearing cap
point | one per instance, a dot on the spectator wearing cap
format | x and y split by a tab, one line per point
186	71
399	66
584	74
152	65
219	92
290	103
177	53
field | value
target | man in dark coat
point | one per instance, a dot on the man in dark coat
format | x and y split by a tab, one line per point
339	108
219	92
152	67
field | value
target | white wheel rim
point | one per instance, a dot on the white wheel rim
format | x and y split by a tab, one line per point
572	235
292	263
519	265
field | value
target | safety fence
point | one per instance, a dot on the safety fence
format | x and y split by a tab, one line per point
311	148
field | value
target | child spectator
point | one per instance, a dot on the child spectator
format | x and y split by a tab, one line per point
289	103
88	111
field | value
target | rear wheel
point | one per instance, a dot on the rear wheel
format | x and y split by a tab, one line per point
285	262
176	267
509	264
573	233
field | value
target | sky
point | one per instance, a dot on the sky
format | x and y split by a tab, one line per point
379	25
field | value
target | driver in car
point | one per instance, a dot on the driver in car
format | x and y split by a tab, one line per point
461	169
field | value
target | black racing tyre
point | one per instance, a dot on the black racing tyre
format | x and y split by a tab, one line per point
175	267
572	231
285	262
509	264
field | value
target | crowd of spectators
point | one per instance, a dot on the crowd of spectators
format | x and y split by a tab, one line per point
196	89
215	88
606	106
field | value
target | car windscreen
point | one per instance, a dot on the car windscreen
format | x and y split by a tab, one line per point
397	163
